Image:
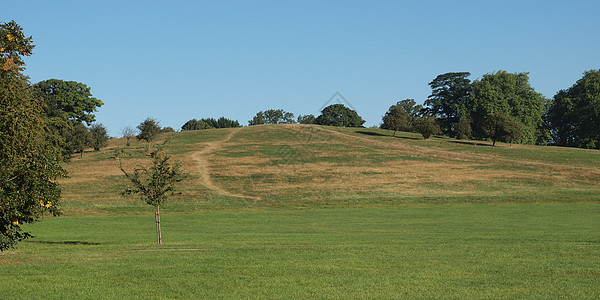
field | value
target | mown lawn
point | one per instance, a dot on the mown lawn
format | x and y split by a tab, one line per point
521	251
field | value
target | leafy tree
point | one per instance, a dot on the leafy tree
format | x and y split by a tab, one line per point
500	127
207	123
307	119
223	122
463	128
79	138
259	119
128	132
29	156
339	115
167	129
69	100
401	116
155	183
511	95
149	130
427	126
272	116
574	114
98	136
450	93
195	125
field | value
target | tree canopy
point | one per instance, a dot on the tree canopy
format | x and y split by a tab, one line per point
574	114
148	130
511	95
69	100
29	156
450	93
272	116
401	116
339	115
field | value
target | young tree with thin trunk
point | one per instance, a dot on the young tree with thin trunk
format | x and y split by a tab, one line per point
149	129
155	183
128	132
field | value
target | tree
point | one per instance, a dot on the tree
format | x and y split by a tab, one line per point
500	127
339	115
155	183
79	138
98	136
167	129
450	92
149	129
195	125
463	128
29	156
272	116
401	116
207	123
511	95
307	119
574	114
128	132
69	100
427	126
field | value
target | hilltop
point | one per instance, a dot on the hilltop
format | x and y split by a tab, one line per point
318	166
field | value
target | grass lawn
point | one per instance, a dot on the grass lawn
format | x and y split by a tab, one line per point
520	251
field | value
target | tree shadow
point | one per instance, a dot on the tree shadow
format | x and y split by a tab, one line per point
66	243
386	135
470	143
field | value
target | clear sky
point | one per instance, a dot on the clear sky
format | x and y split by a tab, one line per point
178	60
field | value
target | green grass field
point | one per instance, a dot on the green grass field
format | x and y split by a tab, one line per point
319	212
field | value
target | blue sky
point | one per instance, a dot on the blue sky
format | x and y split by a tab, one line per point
179	60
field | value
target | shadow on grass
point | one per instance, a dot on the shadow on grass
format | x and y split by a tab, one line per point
470	143
386	135
66	243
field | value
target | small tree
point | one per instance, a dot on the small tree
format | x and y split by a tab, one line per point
80	138
307	119
128	132
99	136
155	183
499	127
149	129
427	126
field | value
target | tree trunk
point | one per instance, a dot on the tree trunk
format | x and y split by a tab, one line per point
158	235
81	154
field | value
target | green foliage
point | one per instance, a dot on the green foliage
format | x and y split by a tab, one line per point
427	126
511	95
79	138
272	116
574	114
149	129
167	129
450	93
500	127
98	136
208	123
339	115
463	129
307	119
29	155
155	183
69	100
401	116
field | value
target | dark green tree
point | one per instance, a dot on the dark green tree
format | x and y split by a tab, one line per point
98	136
272	116
339	115
449	95
194	124
427	126
79	138
500	127
29	156
69	100
574	114
511	95
155	183
401	116
463	129
307	119
149	130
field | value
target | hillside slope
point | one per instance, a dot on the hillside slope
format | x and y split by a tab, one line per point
317	166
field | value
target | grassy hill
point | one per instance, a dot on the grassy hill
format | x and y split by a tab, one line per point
304	212
315	166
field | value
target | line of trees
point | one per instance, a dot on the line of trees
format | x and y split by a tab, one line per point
503	106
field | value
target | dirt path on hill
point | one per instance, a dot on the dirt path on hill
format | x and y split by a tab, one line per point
201	158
